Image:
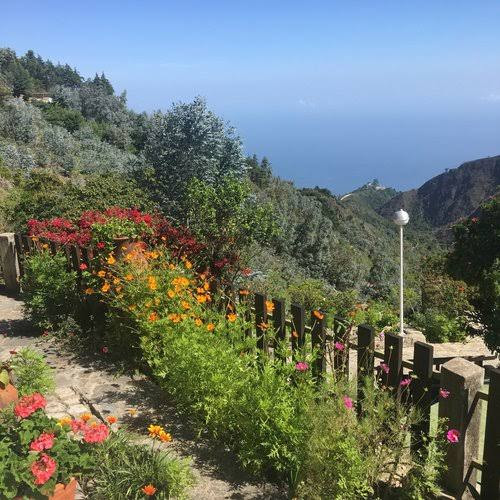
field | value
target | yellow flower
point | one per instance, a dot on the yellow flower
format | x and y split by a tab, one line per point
131	307
154	430
206	285
232	317
171	294
157	300
101	274
152	283
132	412
180	281
45	246
64	421
154	255
188	264
201	298
210	327
111	260
171	267
105	288
198	322
129	277
85	417
185	305
89	291
116	281
174	317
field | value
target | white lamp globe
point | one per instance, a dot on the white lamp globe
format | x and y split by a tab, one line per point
401	218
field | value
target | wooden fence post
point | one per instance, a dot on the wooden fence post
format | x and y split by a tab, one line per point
366	349
261	321
463	380
279	318
298	327
318	340
490	477
393	358
420	389
247	315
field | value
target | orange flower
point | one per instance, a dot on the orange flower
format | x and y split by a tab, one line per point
295	334
174	317
200	290
198	322
119	289
232	317
116	281
171	294
154	255
101	274
270	306
112	419
185	305
45	246
206	286
111	260
129	277
244	292
89	291
165	437
201	298
152	283
64	421
318	314
153	316
34	238
180	281
149	490
85	417
171	267
154	430
188	264
210	327
131	307
105	288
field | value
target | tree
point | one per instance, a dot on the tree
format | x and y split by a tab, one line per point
69	119
475	258
22	84
260	174
186	142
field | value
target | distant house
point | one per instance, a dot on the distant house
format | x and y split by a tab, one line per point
40	97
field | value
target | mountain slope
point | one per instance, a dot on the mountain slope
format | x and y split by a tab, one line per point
449	196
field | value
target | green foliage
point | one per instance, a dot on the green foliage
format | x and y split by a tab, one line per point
122	467
49	290
116	227
475	258
189	141
32	372
439	327
69	119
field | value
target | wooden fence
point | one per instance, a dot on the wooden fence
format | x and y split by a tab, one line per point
454	383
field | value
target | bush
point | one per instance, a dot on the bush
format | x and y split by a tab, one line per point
49	290
32	372
438	327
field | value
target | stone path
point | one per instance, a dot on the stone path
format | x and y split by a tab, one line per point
89	383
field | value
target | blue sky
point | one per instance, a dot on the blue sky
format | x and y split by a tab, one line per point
334	93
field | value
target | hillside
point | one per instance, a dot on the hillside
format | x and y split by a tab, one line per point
454	194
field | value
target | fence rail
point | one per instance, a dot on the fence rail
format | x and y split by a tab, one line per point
461	377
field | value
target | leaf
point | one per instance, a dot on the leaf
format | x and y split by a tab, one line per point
4	379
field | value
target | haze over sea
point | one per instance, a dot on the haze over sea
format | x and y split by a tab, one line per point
334	93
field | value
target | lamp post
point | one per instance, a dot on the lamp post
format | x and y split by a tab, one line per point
401	218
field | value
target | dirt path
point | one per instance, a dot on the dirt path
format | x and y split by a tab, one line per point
89	383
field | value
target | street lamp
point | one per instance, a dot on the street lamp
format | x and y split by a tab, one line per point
401	218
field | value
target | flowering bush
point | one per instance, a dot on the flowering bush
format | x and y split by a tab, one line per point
37	452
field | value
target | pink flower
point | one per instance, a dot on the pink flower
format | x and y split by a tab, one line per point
96	434
301	366
78	426
384	367
83	266
339	346
104	350
348	402
444	393
29	404
453	436
43	469
44	441
101	245
405	382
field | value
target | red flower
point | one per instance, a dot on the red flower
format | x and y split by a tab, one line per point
83	266
96	434
104	350
43	469
101	245
44	441
29	404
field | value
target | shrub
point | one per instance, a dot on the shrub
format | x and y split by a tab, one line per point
32	372
49	289
438	327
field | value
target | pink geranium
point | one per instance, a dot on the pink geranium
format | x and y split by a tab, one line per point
43	469
453	436
384	367
405	382
301	366
78	426
444	393
339	346
348	403
96	433
44	441
29	404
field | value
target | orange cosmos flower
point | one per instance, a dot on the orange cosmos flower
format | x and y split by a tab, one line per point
185	305
149	490
86	417
101	274
111	260
206	286
210	327
105	288
171	294
244	292
116	281
153	316
165	437
232	317
152	283
318	314
270	305
112	419
174	317
198	322
201	298
89	291
188	264
45	246
154	430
